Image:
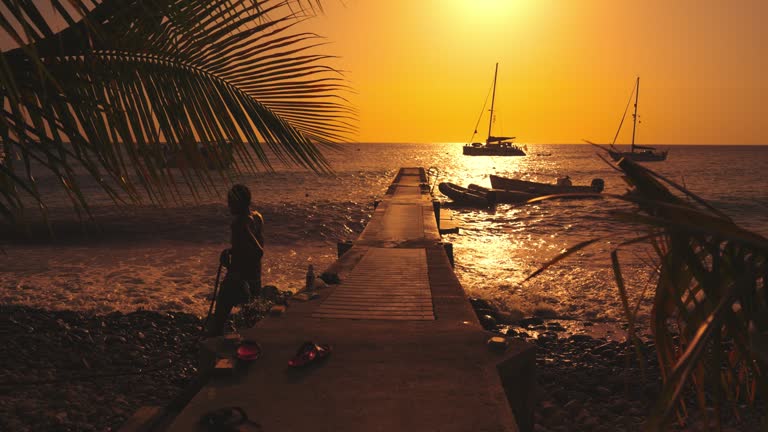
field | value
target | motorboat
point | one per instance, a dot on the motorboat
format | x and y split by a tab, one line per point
563	185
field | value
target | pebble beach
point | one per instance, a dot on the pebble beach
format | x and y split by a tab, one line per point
72	371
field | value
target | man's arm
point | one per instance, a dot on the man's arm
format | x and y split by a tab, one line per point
255	233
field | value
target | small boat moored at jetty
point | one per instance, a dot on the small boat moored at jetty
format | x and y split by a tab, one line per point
503	196
464	196
494	146
563	186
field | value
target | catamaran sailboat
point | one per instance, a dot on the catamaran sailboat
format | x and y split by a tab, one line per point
494	146
637	153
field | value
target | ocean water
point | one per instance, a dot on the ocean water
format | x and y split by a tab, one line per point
142	256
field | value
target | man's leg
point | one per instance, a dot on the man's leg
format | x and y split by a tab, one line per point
255	286
219	319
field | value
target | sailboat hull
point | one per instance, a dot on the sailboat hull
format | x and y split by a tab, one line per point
643	156
485	150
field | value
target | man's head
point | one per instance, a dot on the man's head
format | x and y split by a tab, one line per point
239	199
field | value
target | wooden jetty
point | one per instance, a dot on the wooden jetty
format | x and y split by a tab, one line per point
408	351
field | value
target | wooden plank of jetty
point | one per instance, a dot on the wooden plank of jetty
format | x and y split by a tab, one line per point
408	351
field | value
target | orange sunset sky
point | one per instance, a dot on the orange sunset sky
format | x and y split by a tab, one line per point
422	68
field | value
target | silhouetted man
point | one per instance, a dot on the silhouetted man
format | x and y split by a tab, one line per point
243	260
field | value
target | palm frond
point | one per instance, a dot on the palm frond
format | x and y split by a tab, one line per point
712	285
561	256
129	82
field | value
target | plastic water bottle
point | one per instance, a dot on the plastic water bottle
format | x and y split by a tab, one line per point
310	278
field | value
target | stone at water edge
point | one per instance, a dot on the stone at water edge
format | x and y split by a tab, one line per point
508	317
547	336
555	326
478	303
488	322
269	292
532	321
484	311
580	338
497	343
606	347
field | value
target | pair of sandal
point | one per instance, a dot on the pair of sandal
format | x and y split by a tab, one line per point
234	418
308	353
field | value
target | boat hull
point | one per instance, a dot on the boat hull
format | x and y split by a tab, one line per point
464	196
492	151
538	189
502	196
639	156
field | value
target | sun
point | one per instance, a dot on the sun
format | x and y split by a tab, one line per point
489	15
488	19
489	9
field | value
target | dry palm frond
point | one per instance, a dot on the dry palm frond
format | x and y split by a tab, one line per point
709	317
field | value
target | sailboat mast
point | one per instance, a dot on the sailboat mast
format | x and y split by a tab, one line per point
493	99
634	116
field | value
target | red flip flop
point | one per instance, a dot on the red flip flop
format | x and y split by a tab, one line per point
248	351
308	353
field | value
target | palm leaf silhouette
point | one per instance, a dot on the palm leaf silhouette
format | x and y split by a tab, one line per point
709	307
213	81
